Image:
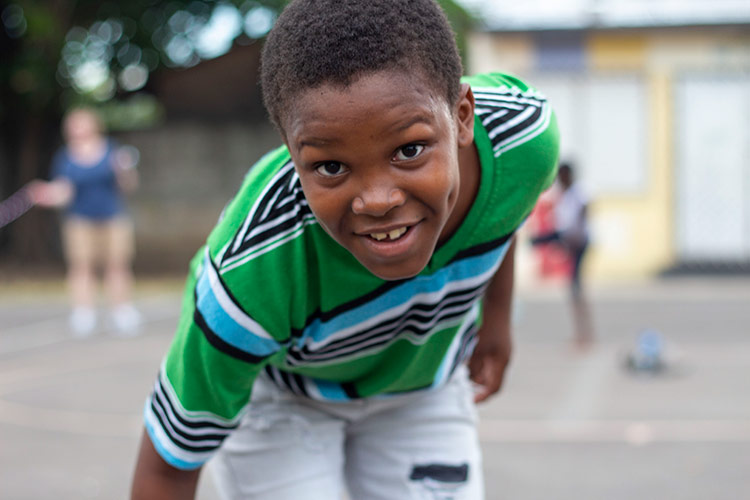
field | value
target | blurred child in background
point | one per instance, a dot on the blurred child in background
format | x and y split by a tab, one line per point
571	233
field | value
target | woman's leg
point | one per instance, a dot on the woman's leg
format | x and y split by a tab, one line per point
118	275
79	243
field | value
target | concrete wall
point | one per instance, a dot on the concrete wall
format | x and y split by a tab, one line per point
188	172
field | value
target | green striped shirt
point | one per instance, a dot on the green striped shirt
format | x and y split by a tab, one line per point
272	291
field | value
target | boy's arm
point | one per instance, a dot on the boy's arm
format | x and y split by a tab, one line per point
492	352
154	479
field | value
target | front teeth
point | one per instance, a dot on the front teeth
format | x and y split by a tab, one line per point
396	233
393	235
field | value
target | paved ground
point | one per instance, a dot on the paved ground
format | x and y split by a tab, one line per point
568	425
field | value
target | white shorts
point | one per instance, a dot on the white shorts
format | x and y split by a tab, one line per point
415	446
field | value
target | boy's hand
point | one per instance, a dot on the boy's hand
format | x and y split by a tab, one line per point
488	362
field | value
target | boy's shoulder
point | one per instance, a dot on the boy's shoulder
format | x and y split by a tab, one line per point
517	139
512	111
514	116
268	206
497	80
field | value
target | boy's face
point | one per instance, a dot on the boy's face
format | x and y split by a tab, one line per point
378	162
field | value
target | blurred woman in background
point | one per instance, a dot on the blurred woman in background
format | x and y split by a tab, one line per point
90	176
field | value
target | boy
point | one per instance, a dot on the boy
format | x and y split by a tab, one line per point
329	317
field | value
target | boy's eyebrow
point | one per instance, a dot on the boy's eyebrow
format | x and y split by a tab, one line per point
315	142
399	127
418	118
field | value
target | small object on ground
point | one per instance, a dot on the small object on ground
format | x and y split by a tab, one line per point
648	354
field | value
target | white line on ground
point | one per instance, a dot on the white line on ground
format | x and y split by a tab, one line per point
33	335
633	432
39	334
78	422
582	396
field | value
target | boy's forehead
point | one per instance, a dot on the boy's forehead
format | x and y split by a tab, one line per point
373	94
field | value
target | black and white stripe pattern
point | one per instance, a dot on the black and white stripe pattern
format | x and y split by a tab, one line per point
466	347
290	381
191	438
415	324
405	311
307	387
511	116
278	215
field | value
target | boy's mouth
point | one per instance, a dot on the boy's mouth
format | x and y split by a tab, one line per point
391	235
386	243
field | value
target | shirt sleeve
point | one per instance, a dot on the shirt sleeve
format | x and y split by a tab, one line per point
205	381
236	319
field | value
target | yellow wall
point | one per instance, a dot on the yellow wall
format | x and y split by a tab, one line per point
636	232
618	52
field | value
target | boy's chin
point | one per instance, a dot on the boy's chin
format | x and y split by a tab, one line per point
394	272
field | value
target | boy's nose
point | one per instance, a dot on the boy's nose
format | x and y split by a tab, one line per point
378	201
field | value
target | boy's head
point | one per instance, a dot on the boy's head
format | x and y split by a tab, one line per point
317	42
565	174
368	99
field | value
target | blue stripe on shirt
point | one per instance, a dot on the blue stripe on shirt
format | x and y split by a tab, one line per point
224	326
460	270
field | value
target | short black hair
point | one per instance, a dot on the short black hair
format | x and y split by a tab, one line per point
566	167
316	42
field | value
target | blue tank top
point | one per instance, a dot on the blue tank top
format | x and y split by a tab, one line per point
97	195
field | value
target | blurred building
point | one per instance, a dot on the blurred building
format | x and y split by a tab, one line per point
193	162
653	105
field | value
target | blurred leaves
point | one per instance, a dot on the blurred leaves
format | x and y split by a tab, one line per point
107	49
462	22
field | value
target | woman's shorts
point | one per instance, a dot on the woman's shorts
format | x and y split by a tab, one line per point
91	242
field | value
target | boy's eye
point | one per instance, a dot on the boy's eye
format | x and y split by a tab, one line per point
330	169
409	152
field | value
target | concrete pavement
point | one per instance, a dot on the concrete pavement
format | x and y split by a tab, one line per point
568	425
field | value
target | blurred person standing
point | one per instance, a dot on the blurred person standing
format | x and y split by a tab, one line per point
571	233
90	176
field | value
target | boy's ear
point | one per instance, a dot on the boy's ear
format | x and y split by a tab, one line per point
465	116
